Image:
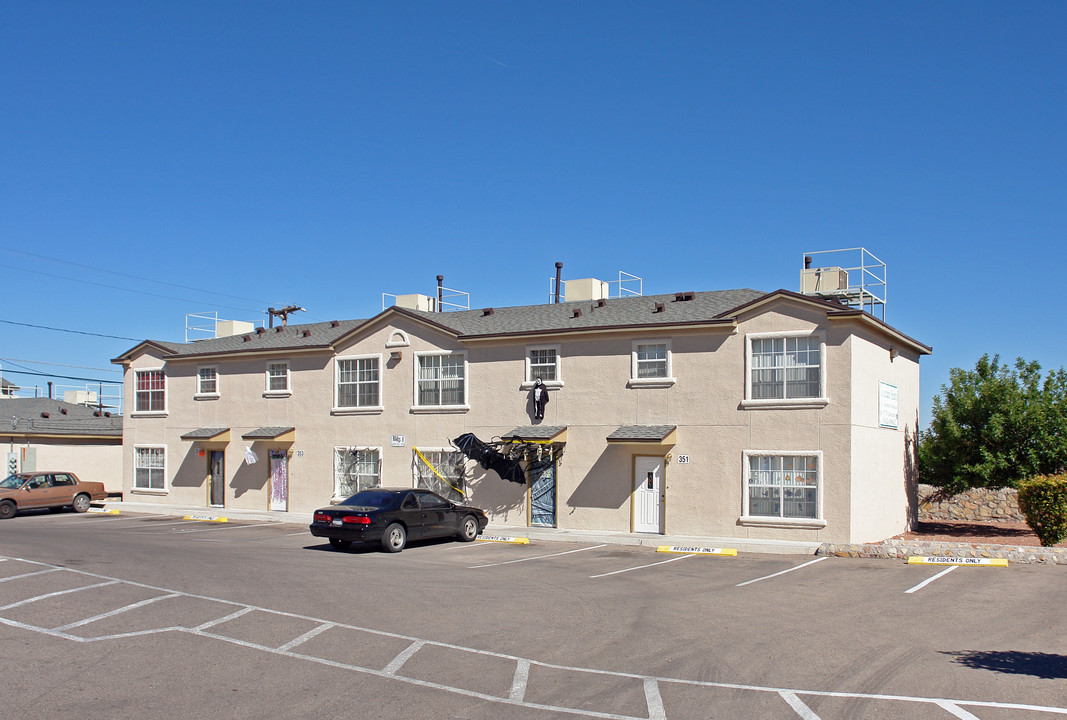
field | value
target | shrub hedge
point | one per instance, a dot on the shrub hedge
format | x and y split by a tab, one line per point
1043	500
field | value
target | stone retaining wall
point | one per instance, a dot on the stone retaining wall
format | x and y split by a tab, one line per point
911	548
977	504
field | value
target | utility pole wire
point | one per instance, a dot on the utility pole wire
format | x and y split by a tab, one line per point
76	332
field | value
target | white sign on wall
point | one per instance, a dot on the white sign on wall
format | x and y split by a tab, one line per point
399	440
887	406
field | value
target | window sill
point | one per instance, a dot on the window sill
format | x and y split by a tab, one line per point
372	410
206	396
550	384
149	413
651	382
779	404
147	491
774	522
277	393
427	409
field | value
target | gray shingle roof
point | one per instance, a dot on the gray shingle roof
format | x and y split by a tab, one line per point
536	432
266	433
203	433
283	337
642	433
28	415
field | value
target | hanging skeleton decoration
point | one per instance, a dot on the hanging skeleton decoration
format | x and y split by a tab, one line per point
540	399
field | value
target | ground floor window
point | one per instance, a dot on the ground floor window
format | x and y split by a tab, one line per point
355	469
783	486
441	471
149	468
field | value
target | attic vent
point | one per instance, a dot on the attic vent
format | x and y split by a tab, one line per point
96	413
487	311
246	338
44	414
63	410
260	330
279	328
577	312
660	307
601	302
683	296
107	414
306	333
334	323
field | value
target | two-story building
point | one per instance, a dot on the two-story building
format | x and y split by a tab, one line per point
732	413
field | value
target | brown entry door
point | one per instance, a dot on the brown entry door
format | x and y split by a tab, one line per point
217	478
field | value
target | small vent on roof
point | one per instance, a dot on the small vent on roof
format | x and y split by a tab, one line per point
246	338
660	307
683	296
487	311
44	414
63	410
260	330
306	333
577	312
96	413
107	414
279	328
601	302
334	323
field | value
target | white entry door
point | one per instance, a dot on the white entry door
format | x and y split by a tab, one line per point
648	495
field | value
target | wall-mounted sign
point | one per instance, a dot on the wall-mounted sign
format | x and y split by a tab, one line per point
887	406
683	459
398	440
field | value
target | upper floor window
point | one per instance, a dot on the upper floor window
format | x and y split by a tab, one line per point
278	378
207	380
441	380
359	382
543	362
650	363
150	390
785	368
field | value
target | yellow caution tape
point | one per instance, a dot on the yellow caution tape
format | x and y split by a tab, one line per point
423	458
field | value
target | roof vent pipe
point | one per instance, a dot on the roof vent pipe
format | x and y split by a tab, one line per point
440	291
807	262
49	391
559	273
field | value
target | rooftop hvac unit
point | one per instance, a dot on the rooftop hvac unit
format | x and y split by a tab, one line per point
416	301
816	281
585	289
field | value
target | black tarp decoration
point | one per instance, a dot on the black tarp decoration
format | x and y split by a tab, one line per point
490	458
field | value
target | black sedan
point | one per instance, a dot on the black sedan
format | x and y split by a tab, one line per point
392	516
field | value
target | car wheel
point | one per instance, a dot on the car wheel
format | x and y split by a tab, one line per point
395	538
80	504
468	529
340	544
7	510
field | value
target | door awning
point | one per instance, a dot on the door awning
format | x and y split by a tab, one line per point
644	435
277	434
537	433
208	435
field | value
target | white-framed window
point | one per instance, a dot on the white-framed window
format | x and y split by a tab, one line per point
785	368
207	381
650	363
355	469
441	470
441	381
277	378
150	391
783	488
543	361
358	383
150	468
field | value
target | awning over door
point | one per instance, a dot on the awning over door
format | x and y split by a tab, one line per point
644	435
537	433
277	434
221	435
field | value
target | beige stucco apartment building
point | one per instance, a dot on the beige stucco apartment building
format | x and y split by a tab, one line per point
730	413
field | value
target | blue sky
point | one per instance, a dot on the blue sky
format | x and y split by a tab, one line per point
160	159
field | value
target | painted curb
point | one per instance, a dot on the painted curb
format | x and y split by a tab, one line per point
102	511
206	518
504	539
696	550
988	562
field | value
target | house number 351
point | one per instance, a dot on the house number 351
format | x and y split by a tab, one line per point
683	459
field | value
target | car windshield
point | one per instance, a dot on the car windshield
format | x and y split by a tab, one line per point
371	498
12	482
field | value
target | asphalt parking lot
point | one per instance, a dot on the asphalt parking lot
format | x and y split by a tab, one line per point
174	617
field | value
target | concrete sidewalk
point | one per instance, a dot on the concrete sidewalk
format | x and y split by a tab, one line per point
778	547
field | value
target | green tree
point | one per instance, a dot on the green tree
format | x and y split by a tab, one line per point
995	426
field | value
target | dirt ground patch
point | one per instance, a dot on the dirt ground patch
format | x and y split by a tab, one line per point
978	533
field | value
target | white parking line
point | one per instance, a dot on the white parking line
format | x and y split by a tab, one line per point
132	606
535	557
57	593
639	567
929	580
797	704
783	572
230	527
955	710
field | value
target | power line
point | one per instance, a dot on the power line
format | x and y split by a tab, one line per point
63	377
42	362
76	332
